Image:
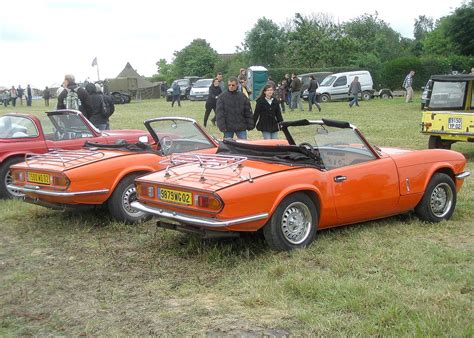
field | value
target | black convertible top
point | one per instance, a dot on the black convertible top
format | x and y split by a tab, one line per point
450	78
120	145
287	154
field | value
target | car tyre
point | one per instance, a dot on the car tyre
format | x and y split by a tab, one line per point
293	224
439	199
119	203
435	142
325	98
366	96
6	178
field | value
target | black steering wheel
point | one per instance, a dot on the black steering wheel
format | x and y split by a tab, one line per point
306	145
166	144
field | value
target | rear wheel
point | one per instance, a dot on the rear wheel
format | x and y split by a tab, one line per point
439	199
435	142
366	96
119	204
6	179
325	98
293	225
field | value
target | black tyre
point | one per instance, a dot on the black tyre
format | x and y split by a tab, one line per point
119	203
435	142
384	95
293	225
6	178
439	199
325	98
366	96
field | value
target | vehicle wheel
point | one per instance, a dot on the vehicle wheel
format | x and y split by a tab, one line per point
6	178
366	96
119	203
439	199
325	98
168	99
293	225
384	96
435	142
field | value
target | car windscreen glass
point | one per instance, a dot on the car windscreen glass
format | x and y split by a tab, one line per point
328	81
180	136
183	83
17	127
69	126
447	95
202	84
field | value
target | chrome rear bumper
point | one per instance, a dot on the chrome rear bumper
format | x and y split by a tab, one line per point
37	190
193	220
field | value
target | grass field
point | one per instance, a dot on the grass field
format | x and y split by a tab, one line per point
81	274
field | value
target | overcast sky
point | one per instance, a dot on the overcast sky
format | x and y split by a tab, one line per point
42	40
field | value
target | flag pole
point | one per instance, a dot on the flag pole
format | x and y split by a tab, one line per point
98	77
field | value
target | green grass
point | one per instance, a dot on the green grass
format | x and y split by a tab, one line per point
81	274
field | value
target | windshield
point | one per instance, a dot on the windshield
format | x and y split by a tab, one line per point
202	83
17	127
328	81
447	95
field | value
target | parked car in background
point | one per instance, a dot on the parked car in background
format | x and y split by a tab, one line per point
121	97
185	87
320	76
21	134
449	115
104	174
325	175
336	86
200	90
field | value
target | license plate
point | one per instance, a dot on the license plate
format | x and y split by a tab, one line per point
199	96
175	196
454	123
39	178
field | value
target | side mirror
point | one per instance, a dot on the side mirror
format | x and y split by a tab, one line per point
143	139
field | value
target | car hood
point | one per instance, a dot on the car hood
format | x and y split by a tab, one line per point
192	176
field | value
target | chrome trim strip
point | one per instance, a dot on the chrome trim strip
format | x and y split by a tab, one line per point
37	190
199	221
463	175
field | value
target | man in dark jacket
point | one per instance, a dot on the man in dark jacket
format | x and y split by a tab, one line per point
296	93
233	112
68	85
98	115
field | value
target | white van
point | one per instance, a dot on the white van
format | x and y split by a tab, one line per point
336	86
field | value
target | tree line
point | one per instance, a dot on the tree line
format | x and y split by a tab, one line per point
317	43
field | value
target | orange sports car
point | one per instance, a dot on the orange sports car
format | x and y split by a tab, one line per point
324	175
104	174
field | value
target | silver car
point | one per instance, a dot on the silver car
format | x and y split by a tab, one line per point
200	90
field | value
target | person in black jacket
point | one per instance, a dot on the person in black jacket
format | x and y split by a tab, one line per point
233	112
70	84
214	91
98	115
267	113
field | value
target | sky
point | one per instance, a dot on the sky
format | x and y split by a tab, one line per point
42	40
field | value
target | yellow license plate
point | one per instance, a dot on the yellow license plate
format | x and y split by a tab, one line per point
175	196
39	178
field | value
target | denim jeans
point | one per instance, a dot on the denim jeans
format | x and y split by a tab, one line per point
241	134
355	101
267	135
296	100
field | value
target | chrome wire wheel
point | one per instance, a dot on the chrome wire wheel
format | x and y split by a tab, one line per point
9	180
130	195
296	223
441	200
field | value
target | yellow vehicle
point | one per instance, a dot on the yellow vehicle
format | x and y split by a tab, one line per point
448	116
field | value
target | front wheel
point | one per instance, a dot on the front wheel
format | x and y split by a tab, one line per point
366	96
119	204
325	98
293	224
439	199
6	179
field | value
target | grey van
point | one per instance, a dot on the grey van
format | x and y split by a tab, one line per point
336	86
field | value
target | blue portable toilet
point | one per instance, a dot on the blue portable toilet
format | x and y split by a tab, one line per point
257	78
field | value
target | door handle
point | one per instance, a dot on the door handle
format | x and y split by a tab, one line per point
340	178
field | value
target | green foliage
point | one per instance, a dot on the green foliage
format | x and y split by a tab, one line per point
166	72
198	58
461	28
231	67
264	42
438	42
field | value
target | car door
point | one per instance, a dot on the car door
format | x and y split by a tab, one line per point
340	88
365	191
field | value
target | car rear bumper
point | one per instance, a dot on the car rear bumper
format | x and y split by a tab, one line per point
37	190
197	221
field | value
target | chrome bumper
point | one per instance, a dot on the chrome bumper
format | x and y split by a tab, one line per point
463	175
37	190
193	220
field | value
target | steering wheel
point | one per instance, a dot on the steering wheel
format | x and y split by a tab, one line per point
59	134
166	144
306	145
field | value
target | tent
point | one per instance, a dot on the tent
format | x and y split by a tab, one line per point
145	90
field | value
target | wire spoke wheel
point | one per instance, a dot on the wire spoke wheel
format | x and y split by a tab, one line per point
130	195
296	223
441	200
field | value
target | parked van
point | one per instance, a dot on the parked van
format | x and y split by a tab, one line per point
336	86
319	76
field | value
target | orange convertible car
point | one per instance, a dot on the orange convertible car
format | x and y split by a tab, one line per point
105	173
326	175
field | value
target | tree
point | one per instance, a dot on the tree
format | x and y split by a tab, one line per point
166	71
423	25
460	28
198	58
264	42
438	42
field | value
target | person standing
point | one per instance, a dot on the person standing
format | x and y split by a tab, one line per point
29	96
13	95
221	81
20	92
287	78
313	85
355	89
407	84
233	112
176	94
243	88
5	98
46	96
267	113
281	95
72	96
98	115
214	92
296	93
242	75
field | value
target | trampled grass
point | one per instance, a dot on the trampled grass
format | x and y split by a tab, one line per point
81	274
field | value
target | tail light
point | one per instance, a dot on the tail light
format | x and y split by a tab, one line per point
61	181
209	202
18	176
